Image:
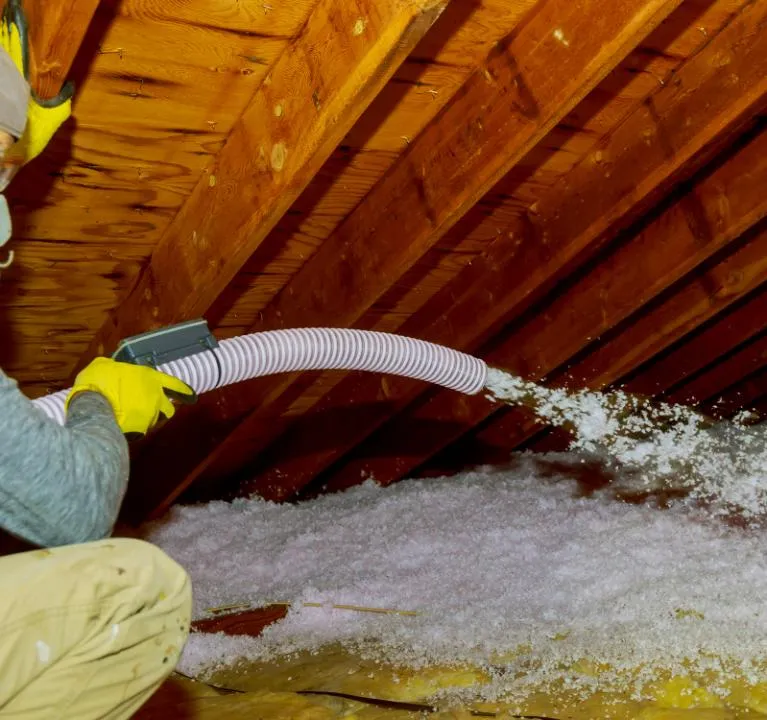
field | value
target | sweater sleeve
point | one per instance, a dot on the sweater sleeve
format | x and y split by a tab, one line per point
60	485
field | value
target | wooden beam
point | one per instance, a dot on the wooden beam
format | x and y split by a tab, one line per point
245	622
682	125
705	220
316	91
703	297
56	31
504	109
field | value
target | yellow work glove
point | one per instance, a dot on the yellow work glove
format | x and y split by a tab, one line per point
138	394
42	122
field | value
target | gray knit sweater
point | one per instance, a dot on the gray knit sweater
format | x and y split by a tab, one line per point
59	485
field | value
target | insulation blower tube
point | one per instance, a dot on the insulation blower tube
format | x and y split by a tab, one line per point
281	351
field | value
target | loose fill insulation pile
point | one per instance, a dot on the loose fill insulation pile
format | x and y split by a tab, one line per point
514	572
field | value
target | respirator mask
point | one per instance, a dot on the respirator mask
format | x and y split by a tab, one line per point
14	100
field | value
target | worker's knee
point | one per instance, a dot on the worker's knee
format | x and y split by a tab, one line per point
158	612
144	554
158	569
122	606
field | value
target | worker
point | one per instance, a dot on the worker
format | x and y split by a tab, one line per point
89	626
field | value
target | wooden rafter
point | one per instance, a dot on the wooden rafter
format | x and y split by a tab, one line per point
686	120
317	89
56	31
505	107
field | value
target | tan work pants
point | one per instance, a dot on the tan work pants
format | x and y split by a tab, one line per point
89	631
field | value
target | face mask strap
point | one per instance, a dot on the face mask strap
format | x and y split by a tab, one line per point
5	219
7	173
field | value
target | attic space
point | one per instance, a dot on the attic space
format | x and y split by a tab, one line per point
471	297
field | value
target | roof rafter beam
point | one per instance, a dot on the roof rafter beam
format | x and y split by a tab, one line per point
56	32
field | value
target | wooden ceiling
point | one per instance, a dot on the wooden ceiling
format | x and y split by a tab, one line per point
572	189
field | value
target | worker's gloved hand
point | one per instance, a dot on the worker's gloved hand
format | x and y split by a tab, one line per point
42	122
138	394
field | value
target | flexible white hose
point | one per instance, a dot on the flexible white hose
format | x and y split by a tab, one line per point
280	351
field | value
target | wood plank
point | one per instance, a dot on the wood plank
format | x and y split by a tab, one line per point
638	161
458	42
114	96
56	31
706	219
312	96
82	281
456	159
257	20
245	622
340	185
438	66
